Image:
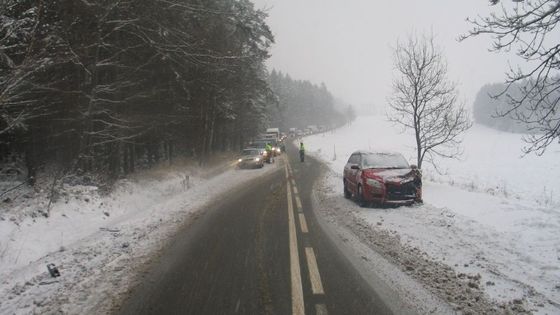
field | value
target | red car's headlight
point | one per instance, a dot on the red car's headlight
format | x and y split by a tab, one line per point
374	183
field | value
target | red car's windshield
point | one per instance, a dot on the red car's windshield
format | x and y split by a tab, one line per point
384	160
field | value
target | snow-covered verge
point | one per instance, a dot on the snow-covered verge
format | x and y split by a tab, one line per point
486	225
99	242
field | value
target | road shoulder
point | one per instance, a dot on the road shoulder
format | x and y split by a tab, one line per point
405	276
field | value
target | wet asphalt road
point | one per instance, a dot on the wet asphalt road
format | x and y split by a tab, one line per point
244	255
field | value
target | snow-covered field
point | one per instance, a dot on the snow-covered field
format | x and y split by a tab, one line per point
98	241
493	212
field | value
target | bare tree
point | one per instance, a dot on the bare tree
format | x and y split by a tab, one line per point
529	28
425	101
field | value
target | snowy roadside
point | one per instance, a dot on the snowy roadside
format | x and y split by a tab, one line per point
481	250
430	287
100	243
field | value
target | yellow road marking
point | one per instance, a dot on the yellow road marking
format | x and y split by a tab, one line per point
295	271
315	277
298	203
303	223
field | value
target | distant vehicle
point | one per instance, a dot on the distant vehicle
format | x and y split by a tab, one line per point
293	132
270	137
381	178
261	144
273	133
278	148
251	157
273	136
273	130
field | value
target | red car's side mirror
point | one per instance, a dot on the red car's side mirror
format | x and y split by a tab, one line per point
355	167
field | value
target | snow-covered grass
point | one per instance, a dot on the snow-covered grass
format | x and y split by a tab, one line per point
492	212
492	162
97	240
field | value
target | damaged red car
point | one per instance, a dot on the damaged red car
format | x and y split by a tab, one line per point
381	178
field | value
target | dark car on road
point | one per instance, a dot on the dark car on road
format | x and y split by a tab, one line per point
251	157
381	178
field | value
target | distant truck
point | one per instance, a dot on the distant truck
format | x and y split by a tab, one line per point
273	133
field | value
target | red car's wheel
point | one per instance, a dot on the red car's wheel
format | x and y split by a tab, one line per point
347	193
360	197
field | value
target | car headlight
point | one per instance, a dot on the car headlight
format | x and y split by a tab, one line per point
240	160
265	153
407	180
374	183
257	159
278	150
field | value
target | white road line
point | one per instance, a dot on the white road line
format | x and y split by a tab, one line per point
316	284
293	182
295	189
295	271
303	223
321	309
298	203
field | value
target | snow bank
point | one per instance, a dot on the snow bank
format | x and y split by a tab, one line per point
493	212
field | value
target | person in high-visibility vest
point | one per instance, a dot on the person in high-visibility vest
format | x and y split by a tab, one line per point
269	156
301	152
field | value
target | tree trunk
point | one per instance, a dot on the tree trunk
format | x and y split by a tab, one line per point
125	160
416	122
170	151
30	160
132	157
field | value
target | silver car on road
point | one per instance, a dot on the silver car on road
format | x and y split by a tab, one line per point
251	158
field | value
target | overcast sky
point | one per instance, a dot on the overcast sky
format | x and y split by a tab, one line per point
348	44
